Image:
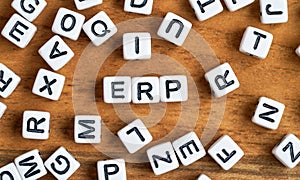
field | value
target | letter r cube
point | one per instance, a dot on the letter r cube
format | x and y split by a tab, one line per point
222	80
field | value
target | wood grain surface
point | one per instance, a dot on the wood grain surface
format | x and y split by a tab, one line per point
276	77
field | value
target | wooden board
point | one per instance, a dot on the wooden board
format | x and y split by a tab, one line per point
276	77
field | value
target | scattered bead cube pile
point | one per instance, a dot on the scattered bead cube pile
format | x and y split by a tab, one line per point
163	157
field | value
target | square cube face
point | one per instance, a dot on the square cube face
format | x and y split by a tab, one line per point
174	29
62	164
222	80
256	42
9	172
145	90
268	113
36	125
99	28
173	88
298	51
162	158
189	148
273	11
112	169
87	129
225	152
287	151
48	84
3	108
135	136
117	89
8	81
85	4
30	165
205	9
68	23
29	9
234	5
56	53
203	177
19	31
138	6
137	46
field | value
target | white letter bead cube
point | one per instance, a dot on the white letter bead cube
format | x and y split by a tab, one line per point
268	113
99	28
68	23
30	165
62	164
288	151
189	148
136	46
87	129
145	90
19	31
174	29
29	9
56	53
298	51
203	177
8	81
85	4
162	158
112	169
3	108
222	80
234	5
36	125
173	88
117	89
135	136
273	11
205	9
225	152
256	42
138	6
9	172
48	84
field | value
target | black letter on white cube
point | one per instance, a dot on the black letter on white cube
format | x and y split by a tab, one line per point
187	146
5	83
168	89
64	20
224	82
15	29
137	131
201	6
35	125
228	156
266	114
59	159
147	91
104	32
107	173
33	166
181	26
269	12
85	134
132	4
31	10
6	174
167	160
290	146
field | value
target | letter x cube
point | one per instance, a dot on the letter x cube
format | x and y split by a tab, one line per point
48	84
